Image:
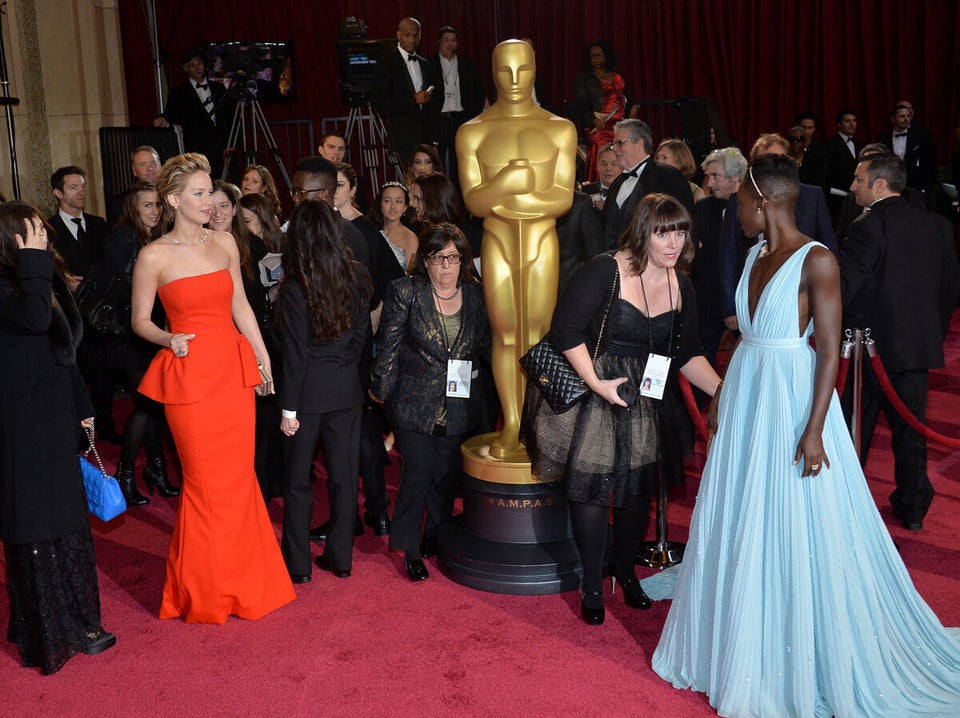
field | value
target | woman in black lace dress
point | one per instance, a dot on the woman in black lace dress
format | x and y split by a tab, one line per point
605	450
48	550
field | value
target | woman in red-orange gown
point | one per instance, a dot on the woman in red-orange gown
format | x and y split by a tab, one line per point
224	557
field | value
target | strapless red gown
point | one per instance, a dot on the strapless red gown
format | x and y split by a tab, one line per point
224	557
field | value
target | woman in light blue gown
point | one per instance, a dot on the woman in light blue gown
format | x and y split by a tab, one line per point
792	599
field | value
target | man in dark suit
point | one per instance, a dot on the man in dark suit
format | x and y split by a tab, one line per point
80	239
810	213
632	143
837	161
459	97
197	106
899	278
580	236
79	236
724	170
403	84
914	145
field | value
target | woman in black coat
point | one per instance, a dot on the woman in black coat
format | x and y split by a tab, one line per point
48	549
130	354
433	332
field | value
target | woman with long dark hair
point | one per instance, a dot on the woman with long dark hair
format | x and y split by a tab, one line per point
48	550
325	325
139	225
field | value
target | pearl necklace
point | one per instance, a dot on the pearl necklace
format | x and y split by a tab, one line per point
445	299
194	243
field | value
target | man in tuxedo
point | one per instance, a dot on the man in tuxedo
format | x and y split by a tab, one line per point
724	170
812	219
914	145
145	165
403	84
460	97
197	106
837	161
80	238
608	169
899	277
632	143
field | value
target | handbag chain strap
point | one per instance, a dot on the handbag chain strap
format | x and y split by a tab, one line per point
603	324
93	448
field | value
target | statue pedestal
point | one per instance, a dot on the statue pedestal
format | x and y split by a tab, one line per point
514	534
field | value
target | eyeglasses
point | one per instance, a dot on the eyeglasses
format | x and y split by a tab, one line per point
437	260
801	138
620	143
299	193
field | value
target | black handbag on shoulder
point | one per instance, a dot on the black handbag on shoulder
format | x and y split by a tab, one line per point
106	315
552	374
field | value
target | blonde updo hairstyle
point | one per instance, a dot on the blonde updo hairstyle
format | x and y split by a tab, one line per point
172	178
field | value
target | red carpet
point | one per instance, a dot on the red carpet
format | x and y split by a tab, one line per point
377	645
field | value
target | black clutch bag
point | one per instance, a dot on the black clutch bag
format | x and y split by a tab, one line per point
551	373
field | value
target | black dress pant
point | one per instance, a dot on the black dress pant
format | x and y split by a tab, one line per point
428	480
340	433
914	492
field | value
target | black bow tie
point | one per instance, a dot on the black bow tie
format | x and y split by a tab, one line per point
900	134
203	87
411	58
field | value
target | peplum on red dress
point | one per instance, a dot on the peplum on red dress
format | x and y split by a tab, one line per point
224	557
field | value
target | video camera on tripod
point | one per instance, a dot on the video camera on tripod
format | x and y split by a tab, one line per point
357	58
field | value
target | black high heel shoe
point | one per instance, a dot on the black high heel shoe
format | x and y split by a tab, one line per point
155	474
633	593
591	607
128	486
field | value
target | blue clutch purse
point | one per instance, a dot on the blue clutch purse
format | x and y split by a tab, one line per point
104	498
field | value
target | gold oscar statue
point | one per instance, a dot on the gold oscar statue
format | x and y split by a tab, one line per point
517	171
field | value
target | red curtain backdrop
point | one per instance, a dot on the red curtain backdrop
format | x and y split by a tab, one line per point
761	61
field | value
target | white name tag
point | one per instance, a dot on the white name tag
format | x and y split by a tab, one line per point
655	376
459	374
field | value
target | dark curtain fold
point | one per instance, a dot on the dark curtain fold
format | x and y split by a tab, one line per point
761	61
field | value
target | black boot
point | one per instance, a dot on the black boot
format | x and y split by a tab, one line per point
128	485
155	474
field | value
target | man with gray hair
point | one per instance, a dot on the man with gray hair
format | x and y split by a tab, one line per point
145	165
724	170
632	144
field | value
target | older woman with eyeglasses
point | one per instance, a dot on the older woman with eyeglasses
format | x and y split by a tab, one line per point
433	333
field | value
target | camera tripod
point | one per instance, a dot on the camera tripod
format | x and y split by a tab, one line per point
371	132
248	103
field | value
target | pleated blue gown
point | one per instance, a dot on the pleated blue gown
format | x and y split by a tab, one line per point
792	599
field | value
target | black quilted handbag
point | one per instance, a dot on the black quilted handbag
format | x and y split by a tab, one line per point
551	373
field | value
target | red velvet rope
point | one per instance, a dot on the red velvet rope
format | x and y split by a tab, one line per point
842	375
901	408
692	407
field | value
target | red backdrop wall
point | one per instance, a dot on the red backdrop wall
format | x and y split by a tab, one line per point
761	61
